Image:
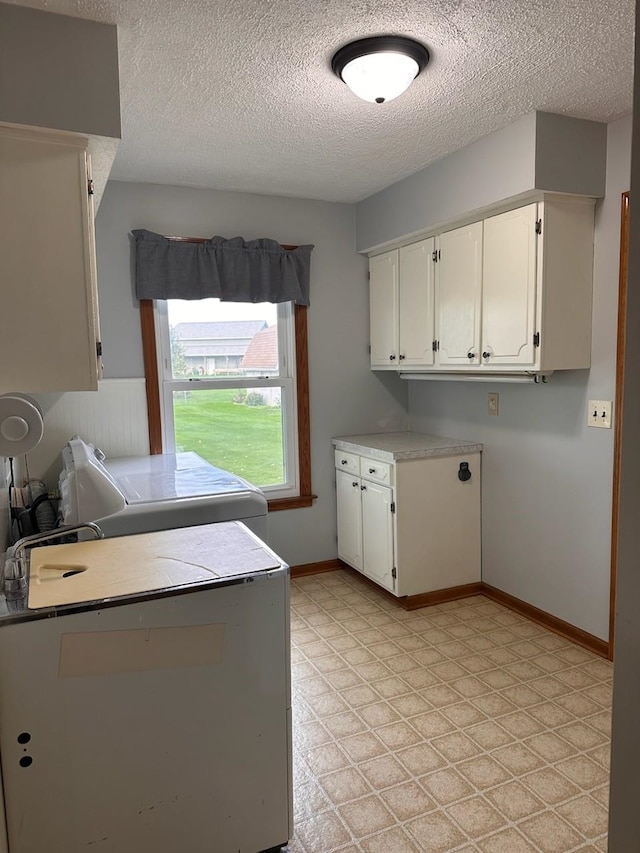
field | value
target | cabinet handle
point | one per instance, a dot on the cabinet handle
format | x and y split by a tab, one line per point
464	474
402	358
354	484
471	355
486	355
392	358
372	470
343	462
363	488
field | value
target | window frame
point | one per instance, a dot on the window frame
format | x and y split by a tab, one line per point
154	390
283	378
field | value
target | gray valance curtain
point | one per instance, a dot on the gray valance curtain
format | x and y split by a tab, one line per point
231	270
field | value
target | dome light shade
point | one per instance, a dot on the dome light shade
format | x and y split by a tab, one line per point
380	68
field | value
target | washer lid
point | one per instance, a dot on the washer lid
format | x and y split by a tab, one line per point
168	476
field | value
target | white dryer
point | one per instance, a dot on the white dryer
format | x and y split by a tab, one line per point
141	494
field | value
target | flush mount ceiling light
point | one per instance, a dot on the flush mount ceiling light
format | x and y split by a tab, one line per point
379	68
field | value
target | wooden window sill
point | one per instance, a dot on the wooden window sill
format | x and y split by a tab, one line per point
298	502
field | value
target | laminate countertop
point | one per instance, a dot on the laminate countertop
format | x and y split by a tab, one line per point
395	446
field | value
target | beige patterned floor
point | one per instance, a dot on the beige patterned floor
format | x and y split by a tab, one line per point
459	727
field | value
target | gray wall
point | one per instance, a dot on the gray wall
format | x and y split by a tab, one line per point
58	72
624	814
546	499
345	396
540	151
566	150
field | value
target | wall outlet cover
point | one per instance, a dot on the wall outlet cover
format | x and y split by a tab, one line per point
493	403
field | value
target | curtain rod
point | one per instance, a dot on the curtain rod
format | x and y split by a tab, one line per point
536	378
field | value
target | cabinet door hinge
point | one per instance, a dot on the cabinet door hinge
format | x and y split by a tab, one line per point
99	349
536	339
90	189
394	573
393	506
435	346
539	226
369	275
435	256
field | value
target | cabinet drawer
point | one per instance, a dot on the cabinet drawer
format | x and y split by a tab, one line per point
374	469
347	462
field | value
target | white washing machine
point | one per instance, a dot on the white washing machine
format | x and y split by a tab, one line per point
141	494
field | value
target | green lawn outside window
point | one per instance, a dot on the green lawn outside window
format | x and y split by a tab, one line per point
246	440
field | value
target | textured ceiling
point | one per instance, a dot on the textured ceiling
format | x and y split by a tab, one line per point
240	95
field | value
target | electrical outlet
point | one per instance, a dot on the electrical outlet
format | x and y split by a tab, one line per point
599	414
494	403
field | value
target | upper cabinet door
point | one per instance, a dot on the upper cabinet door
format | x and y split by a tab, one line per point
49	310
459	273
383	306
416	308
509	287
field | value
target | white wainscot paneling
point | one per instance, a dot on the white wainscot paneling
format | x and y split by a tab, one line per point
113	418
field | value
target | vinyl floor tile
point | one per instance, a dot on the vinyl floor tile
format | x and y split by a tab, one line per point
458	728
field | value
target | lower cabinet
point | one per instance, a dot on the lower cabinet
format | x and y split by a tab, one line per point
411	525
365	527
349	518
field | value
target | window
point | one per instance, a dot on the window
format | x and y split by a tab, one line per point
229	381
228	387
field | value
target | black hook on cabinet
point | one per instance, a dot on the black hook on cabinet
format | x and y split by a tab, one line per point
464	473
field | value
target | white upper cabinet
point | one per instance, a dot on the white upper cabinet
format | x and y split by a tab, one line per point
513	293
415	309
383	310
458	296
401	289
509	287
564	283
49	336
487	292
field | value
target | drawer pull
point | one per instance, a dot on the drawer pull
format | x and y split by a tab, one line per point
354	484
344	462
363	488
372	470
